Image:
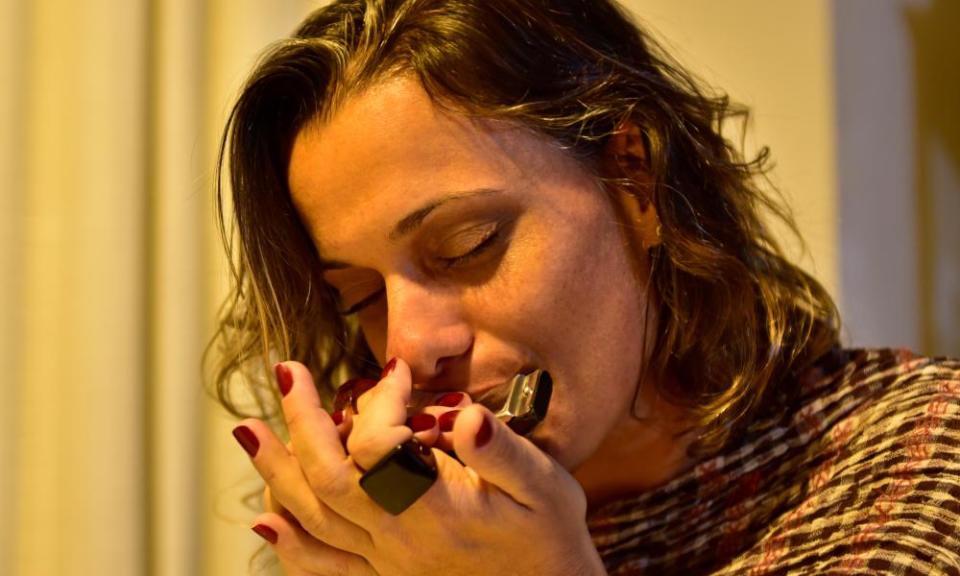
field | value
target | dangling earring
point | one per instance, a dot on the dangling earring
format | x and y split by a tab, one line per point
647	211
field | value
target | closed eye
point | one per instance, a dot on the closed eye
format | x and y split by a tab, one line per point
355	289
482	246
372	298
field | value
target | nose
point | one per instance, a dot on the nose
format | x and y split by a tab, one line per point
426	327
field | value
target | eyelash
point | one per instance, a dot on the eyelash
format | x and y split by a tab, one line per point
363	303
448	263
477	250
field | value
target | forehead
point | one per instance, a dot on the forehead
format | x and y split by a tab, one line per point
389	150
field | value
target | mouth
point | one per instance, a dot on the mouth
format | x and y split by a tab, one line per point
493	397
521	403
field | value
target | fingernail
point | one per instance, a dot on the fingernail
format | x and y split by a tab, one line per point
450	399
421	422
388	368
247	439
344	395
484	433
284	378
337	417
266	532
447	419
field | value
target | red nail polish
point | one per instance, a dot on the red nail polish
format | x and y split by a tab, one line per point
422	422
266	532
337	417
247	439
484	433
447	419
450	399
344	395
284	378
388	368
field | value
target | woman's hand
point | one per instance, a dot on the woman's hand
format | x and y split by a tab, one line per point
507	509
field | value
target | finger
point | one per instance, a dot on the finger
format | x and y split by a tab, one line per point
445	407
381	423
445	424
509	461
300	553
424	427
289	489
451	400
423	401
343	420
395	385
271	504
330	473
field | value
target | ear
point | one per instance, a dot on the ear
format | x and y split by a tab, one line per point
625	158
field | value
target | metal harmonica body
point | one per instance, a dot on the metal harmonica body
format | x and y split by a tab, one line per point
527	401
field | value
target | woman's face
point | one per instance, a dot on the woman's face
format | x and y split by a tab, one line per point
474	250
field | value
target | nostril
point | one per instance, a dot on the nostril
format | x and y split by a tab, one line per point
445	366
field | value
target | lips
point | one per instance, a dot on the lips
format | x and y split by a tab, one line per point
493	397
490	395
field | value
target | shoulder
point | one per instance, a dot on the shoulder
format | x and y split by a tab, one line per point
882	490
883	401
882	392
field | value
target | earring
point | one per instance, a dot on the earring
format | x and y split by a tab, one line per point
650	243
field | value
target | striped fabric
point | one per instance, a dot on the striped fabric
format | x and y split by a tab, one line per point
861	477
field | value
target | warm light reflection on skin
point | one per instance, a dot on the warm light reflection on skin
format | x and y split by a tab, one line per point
389	153
373	186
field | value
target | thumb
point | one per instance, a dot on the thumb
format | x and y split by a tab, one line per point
508	461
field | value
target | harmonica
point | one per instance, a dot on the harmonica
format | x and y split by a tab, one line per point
527	401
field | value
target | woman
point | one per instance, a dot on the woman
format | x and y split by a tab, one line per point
431	197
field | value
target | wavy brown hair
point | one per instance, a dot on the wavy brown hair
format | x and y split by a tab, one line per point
737	320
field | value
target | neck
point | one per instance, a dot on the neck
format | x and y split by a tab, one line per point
638	455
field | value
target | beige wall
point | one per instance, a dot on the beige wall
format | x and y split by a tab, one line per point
776	58
111	459
898	85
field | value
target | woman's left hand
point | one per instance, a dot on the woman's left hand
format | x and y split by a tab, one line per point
507	509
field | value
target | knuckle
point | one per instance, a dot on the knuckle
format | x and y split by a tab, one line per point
326	484
359	443
342	565
316	522
367	452
294	418
272	476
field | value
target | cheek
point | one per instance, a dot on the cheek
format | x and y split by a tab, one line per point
578	286
591	312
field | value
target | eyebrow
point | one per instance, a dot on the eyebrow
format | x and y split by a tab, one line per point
414	219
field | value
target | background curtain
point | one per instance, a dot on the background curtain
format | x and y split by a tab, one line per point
112	458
